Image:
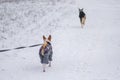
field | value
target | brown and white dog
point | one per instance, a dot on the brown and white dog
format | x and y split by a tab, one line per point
82	17
46	52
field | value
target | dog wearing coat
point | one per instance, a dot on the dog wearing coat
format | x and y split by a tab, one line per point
45	52
82	17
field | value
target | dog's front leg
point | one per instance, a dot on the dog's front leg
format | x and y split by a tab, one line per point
49	64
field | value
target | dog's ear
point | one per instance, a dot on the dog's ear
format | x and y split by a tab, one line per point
82	9
44	38
49	38
79	9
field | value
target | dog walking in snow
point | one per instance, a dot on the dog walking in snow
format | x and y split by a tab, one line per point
46	52
82	17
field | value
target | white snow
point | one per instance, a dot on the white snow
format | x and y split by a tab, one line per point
91	53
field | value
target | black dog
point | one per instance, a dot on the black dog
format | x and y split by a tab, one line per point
82	17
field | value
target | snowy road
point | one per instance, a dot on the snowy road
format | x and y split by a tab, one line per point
91	53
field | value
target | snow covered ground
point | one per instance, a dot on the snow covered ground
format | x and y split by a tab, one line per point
91	53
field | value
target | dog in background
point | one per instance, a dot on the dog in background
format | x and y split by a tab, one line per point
82	17
45	52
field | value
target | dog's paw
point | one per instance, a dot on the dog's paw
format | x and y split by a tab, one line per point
49	65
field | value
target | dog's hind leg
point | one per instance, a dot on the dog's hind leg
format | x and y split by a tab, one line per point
44	66
82	24
83	21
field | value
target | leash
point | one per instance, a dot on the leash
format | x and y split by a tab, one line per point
5	50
